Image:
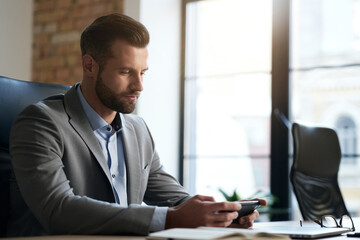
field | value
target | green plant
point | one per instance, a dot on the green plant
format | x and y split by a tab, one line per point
233	197
259	194
270	198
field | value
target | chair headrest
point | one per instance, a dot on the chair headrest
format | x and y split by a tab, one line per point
15	95
316	150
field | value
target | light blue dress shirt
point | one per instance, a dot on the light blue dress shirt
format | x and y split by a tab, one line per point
110	140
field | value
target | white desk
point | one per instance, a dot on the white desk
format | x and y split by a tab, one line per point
356	221
256	225
79	237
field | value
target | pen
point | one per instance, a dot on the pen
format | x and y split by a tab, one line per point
356	234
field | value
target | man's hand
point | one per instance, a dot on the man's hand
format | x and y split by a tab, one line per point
202	211
248	220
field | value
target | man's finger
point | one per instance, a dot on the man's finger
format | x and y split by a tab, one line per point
205	198
224	206
263	202
245	220
224	216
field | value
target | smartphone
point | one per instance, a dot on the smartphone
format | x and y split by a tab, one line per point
247	207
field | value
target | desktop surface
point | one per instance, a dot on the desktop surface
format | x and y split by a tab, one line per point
79	237
267	225
257	225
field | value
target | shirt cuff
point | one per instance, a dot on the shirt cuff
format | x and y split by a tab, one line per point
159	219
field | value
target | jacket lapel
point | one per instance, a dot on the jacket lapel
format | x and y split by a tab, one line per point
81	125
133	163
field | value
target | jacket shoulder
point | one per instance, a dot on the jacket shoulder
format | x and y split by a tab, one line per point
136	124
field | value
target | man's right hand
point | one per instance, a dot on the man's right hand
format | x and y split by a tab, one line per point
202	211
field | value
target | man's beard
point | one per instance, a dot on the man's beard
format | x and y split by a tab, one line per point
113	100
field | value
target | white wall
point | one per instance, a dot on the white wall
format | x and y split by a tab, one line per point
16	20
160	100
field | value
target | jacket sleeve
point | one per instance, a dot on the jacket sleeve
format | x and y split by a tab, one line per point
162	188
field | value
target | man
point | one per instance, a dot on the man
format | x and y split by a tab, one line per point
84	165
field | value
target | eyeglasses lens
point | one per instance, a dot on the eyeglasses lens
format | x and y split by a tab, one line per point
346	222
329	221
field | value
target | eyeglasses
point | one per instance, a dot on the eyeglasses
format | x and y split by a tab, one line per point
330	221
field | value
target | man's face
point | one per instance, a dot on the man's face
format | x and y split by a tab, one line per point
119	84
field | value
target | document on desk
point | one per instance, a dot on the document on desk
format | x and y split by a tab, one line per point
204	233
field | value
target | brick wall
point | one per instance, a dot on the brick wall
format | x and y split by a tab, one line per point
56	36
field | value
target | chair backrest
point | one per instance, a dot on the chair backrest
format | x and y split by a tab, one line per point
314	173
15	95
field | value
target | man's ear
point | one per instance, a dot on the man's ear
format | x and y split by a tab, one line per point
90	66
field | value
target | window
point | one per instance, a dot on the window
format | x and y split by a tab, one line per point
246	58
325	70
346	130
227	97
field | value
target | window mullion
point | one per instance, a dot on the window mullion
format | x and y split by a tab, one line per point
280	100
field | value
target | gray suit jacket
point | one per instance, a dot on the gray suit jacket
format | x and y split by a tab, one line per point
63	183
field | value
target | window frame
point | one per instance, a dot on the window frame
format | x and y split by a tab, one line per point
279	144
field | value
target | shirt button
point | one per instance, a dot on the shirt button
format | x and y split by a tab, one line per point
108	129
113	175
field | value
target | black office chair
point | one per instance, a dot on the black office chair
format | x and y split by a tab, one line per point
15	95
314	173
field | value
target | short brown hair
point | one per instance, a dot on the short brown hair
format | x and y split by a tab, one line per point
98	37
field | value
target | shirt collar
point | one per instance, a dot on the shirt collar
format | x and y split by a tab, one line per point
95	120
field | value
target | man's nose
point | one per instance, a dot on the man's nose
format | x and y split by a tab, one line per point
137	83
